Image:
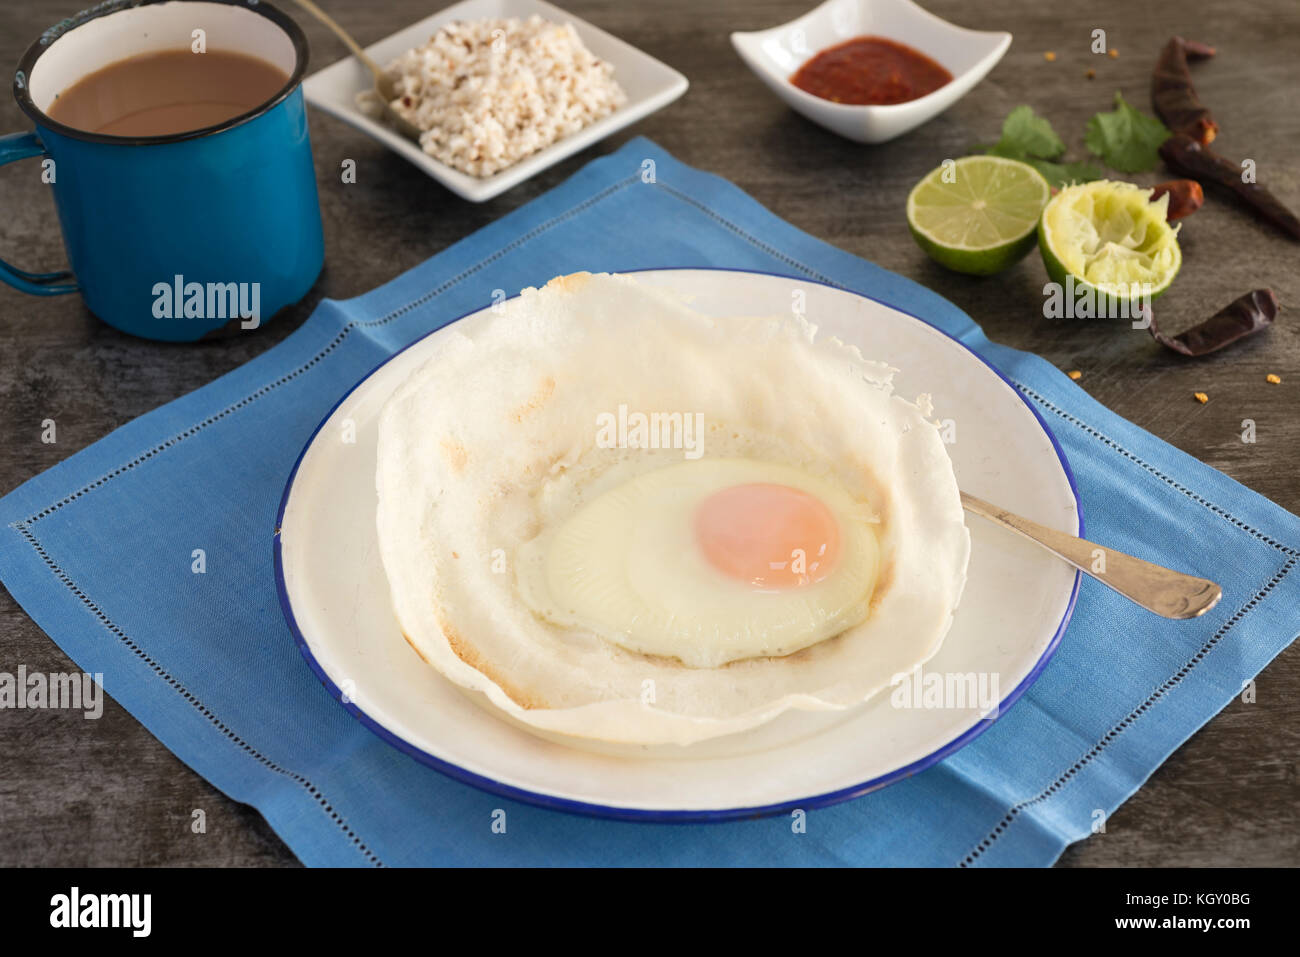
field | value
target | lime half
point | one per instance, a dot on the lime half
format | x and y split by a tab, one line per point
1112	240
977	214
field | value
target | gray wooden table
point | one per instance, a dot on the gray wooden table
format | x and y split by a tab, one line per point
76	792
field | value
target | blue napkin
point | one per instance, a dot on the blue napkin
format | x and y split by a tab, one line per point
98	550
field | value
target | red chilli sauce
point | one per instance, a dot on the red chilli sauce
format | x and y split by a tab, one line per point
870	71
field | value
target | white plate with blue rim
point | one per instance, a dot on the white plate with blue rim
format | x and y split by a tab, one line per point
650	85
1014	610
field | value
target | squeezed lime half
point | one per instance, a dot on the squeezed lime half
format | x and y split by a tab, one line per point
1112	239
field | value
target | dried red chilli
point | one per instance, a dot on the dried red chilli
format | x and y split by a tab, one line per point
1173	95
1242	317
1184	155
1185	197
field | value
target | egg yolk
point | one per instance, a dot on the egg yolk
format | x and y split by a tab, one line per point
770	536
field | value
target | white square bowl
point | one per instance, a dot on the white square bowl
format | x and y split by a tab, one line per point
649	84
774	55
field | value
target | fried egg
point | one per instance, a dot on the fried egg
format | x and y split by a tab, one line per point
799	549
708	562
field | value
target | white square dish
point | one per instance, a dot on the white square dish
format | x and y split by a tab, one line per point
649	84
775	54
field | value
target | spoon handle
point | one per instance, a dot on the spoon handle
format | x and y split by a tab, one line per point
343	35
1166	592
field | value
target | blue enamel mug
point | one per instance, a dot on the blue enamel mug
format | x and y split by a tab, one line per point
182	236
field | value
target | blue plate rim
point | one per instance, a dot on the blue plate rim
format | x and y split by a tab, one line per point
676	816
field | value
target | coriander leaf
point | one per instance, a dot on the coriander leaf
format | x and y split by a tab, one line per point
1030	139
1026	134
1063	174
1001	148
1126	139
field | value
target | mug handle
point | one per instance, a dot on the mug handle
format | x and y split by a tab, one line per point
13	147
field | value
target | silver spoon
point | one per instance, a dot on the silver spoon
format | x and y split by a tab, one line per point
384	87
1166	592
